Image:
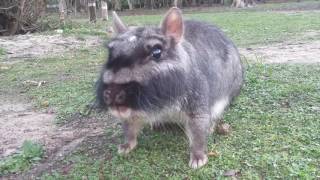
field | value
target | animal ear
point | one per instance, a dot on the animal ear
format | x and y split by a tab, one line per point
118	25
172	24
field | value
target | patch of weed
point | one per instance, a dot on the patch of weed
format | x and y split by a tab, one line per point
2	53
30	153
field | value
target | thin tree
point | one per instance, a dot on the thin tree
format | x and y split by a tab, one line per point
104	10
62	11
242	3
92	11
117	5
130	3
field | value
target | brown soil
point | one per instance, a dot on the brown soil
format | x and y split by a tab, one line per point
301	52
20	122
30	46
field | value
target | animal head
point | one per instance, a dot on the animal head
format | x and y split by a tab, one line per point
145	65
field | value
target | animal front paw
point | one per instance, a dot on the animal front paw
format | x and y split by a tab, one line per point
197	160
126	148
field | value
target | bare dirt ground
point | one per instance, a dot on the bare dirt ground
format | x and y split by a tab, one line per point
19	121
21	47
295	52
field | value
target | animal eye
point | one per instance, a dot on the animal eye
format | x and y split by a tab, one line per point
156	53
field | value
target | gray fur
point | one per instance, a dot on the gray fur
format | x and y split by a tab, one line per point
197	76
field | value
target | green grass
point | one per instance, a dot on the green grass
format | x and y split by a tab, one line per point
302	5
30	153
69	81
2	53
245	27
275	135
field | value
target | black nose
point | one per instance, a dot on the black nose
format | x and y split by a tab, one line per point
114	97
120	97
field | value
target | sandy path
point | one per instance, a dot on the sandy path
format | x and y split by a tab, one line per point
297	53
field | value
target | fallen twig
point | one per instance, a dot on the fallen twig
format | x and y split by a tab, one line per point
7	8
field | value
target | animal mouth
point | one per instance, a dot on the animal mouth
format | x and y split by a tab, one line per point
121	111
122	108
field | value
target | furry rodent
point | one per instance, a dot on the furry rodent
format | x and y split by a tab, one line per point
185	68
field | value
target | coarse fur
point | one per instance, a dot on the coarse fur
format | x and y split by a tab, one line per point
197	74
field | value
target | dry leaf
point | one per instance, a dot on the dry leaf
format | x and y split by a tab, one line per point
45	103
213	153
4	67
30	82
34	83
232	173
223	128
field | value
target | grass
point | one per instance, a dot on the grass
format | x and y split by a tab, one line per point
275	135
275	120
30	153
2	53
245	27
69	81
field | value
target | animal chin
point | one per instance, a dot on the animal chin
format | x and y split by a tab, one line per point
122	112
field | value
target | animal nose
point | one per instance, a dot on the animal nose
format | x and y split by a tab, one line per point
114	97
120	97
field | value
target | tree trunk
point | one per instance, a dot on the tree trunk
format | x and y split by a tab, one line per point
92	10
130	4
194	2
147	3
104	10
243	3
75	8
62	11
175	3
117	5
68	4
81	5
237	3
41	5
249	3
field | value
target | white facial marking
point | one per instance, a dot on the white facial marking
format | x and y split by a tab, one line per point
107	77
132	38
218	108
110	45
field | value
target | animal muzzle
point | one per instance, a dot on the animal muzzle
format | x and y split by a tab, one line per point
114	96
